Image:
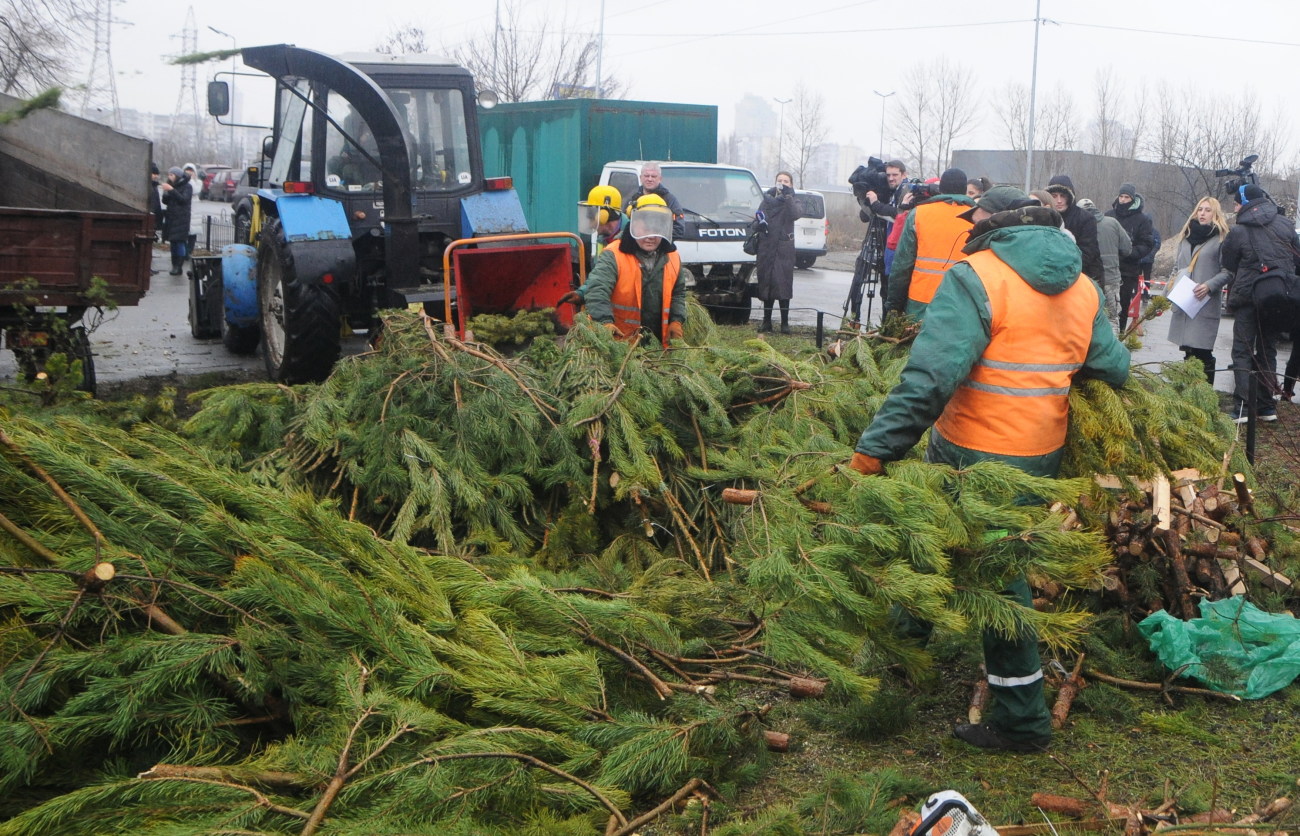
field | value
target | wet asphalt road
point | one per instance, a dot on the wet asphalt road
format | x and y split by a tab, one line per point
153	339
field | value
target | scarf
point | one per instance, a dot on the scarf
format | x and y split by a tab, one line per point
1198	233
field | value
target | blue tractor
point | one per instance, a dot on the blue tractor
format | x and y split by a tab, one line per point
370	195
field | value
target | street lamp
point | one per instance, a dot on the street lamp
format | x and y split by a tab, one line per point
780	132
883	97
234	153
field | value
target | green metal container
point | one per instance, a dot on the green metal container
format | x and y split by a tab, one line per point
555	150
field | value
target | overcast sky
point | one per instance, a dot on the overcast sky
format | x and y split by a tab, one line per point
715	51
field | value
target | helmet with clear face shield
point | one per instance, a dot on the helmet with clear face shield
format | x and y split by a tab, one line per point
650	218
600	207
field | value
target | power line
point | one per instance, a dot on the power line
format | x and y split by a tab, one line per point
871	30
1174	34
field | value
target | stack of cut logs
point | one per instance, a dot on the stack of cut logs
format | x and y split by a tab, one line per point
1179	543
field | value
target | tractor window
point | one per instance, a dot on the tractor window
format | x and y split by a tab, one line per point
435	123
351	160
290	119
720	194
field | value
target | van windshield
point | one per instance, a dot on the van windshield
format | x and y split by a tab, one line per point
720	194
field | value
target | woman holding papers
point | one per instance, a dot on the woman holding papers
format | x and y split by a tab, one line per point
1196	283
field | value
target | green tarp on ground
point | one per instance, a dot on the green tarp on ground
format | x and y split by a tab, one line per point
1234	647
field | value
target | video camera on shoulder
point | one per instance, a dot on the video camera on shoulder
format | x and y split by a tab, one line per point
869	178
1242	175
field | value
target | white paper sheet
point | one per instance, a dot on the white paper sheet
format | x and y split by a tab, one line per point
1183	295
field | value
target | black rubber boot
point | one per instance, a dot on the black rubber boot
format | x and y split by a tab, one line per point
767	319
984	736
785	316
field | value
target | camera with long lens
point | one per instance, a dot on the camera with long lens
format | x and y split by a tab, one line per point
1243	174
920	189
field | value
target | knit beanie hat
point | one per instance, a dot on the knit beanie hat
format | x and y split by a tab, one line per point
1128	189
1250	192
952	181
176	171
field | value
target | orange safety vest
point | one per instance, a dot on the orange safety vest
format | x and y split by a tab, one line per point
940	235
625	299
1015	401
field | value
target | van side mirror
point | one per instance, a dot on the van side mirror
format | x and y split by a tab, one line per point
218	98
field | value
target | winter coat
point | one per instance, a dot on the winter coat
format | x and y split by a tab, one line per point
674	206
1114	244
1080	223
1140	231
604	275
1262	235
958	329
904	263
776	248
1201	331
176	210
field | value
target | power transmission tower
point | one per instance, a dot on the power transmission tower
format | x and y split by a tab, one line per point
189	92
99	98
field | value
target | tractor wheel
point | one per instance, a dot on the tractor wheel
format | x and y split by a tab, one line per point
75	344
243	225
240	339
300	321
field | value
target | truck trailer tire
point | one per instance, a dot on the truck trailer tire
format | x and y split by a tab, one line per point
300	320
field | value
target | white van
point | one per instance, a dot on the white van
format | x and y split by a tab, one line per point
810	231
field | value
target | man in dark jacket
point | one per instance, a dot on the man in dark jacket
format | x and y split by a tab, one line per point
178	193
886	204
1080	224
1127	209
652	182
1263	239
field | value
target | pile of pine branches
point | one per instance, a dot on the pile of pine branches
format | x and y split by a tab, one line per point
484	594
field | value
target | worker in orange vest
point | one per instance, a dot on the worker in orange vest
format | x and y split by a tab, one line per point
932	238
634	285
1009	327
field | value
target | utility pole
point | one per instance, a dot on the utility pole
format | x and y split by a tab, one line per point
1033	97
780	133
496	33
600	50
883	97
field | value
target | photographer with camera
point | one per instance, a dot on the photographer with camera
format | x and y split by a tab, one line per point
931	240
776	250
885	203
1262	244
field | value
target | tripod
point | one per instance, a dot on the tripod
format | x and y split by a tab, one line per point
868	272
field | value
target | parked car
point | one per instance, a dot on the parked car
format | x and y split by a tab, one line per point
222	185
811	230
214	183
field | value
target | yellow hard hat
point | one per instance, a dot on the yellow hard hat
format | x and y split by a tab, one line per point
649	200
604	196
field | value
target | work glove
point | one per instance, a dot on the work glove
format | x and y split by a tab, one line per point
867	465
573	298
675	331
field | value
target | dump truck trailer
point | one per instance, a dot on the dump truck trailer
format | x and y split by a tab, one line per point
76	233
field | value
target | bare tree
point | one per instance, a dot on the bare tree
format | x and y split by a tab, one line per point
407	39
37	37
537	58
939	106
806	129
1105	124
